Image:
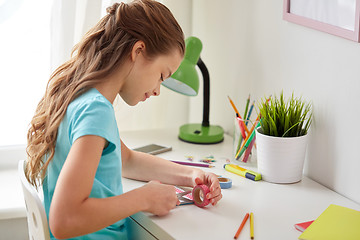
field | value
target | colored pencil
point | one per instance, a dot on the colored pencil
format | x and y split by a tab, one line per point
237	113
248	140
246	108
248	150
238	155
247	143
193	164
241	226
234	107
250	111
239	143
241	126
251	225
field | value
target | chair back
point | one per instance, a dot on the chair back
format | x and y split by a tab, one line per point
35	211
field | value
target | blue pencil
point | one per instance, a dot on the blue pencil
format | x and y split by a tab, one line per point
250	111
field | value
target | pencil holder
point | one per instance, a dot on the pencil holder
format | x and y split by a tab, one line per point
244	142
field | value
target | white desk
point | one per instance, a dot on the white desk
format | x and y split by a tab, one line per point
276	207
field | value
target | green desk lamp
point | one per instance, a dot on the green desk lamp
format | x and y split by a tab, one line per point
186	81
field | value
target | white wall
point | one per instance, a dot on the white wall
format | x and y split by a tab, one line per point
248	48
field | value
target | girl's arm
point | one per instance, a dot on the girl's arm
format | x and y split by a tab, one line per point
146	167
73	213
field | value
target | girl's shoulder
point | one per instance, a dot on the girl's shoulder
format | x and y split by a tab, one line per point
90	98
90	114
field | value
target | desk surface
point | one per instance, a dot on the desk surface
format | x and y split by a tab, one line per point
276	207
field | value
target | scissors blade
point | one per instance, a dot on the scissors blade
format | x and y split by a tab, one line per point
180	195
186	202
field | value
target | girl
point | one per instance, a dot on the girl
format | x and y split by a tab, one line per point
73	141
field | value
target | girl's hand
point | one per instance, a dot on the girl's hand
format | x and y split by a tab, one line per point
212	181
160	198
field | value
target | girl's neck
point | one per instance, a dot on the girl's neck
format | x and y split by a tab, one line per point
111	85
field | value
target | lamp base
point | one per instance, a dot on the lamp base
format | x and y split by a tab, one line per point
196	133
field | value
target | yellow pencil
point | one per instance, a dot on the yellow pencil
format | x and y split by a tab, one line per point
251	225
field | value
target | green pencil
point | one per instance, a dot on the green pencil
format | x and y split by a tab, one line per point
246	109
247	143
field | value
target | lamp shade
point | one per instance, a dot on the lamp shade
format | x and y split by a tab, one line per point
186	80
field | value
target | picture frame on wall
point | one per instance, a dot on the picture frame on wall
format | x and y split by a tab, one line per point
340	18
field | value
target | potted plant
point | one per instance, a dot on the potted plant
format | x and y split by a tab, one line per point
282	138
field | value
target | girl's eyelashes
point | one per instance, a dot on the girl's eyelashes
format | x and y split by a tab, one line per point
161	78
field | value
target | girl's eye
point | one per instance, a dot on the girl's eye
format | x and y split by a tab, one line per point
161	78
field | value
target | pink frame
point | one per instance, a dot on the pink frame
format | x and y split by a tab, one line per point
328	28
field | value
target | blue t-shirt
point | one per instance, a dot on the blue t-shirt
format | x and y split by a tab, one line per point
90	114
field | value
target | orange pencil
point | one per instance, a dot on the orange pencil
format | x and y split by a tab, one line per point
233	105
238	114
241	226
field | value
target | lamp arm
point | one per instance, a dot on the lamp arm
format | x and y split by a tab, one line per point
206	78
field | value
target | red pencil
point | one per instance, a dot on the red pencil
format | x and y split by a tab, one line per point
241	226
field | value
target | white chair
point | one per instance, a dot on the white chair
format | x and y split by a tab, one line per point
35	211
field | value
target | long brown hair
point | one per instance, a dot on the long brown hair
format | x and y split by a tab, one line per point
107	45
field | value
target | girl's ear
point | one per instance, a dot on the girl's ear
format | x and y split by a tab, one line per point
138	48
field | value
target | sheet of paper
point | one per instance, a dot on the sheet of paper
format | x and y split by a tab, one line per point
336	222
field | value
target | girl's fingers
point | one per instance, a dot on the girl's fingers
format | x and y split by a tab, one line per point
213	194
198	181
215	200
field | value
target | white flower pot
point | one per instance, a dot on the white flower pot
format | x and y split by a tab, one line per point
280	159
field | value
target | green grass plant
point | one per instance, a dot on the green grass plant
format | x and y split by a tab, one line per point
280	118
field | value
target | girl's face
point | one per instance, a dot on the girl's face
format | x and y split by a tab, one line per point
145	76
